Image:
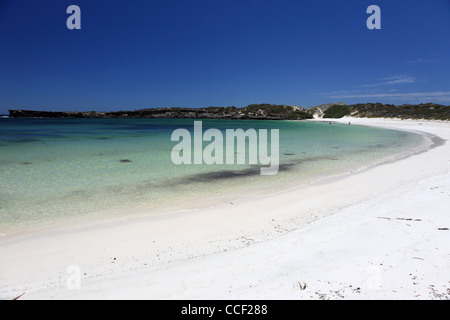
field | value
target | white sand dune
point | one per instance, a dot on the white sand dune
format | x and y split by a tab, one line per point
381	233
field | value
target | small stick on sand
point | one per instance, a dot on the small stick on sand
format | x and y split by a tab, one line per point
17	298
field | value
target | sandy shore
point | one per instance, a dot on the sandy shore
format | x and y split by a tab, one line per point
377	234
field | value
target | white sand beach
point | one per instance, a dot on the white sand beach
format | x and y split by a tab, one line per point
381	233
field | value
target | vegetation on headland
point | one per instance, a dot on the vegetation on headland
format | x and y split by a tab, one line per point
428	111
337	111
277	111
253	111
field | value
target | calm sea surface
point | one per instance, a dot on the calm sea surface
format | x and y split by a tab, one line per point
62	170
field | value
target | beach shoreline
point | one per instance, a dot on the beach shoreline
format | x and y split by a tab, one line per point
264	247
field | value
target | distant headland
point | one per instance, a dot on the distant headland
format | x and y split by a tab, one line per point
429	111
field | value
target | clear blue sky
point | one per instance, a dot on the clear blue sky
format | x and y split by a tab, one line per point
199	53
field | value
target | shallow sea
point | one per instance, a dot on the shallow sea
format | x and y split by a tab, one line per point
61	170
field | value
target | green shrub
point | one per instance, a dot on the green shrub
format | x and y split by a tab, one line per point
337	111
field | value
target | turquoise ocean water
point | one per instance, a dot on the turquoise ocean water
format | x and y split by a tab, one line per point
62	170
